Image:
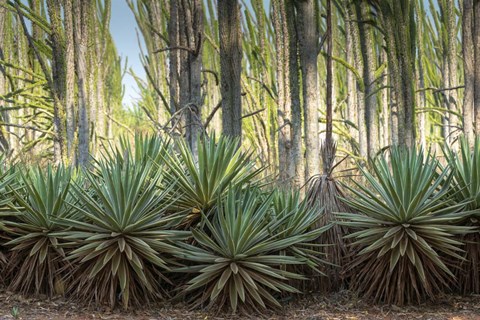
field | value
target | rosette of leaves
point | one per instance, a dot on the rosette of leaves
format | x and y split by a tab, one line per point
36	264
300	218
200	179
465	166
7	178
143	148
405	229
124	241
240	258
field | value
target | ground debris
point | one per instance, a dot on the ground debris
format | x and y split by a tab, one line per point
338	306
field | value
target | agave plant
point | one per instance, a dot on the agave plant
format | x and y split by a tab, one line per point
201	179
465	166
37	263
241	255
144	149
123	240
300	218
7	178
404	230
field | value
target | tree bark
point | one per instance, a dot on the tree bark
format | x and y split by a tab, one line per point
194	18
229	24
351	99
469	70
70	81
369	67
284	105
296	120
452	68
101	47
58	76
385	102
421	79
91	22
396	21
329	113
360	98
80	36
309	47
476	43
3	83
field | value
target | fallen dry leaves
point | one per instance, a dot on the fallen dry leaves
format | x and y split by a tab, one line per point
339	306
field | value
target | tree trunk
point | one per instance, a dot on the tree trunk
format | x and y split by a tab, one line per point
385	102
173	37
476	42
296	120
3	83
186	31
194	19
92	74
101	47
284	105
329	117
58	76
396	21
360	99
421	79
452	81
229	25
369	67
80	36
469	71
70	81
351	99
308	40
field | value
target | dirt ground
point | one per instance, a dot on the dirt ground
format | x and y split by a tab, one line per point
341	306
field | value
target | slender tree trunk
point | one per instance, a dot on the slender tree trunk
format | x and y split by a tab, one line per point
3	83
452	82
396	21
229	25
70	81
351	81
173	37
397	115
58	76
284	105
369	67
101	47
194	19
308	40
469	71
80	36
385	102
360	99
476	43
296	122
421	79
186	31
92	74
329	118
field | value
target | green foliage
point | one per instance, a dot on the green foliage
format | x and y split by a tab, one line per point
465	166
242	253
7	178
404	230
141	149
199	180
36	263
124	240
298	218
